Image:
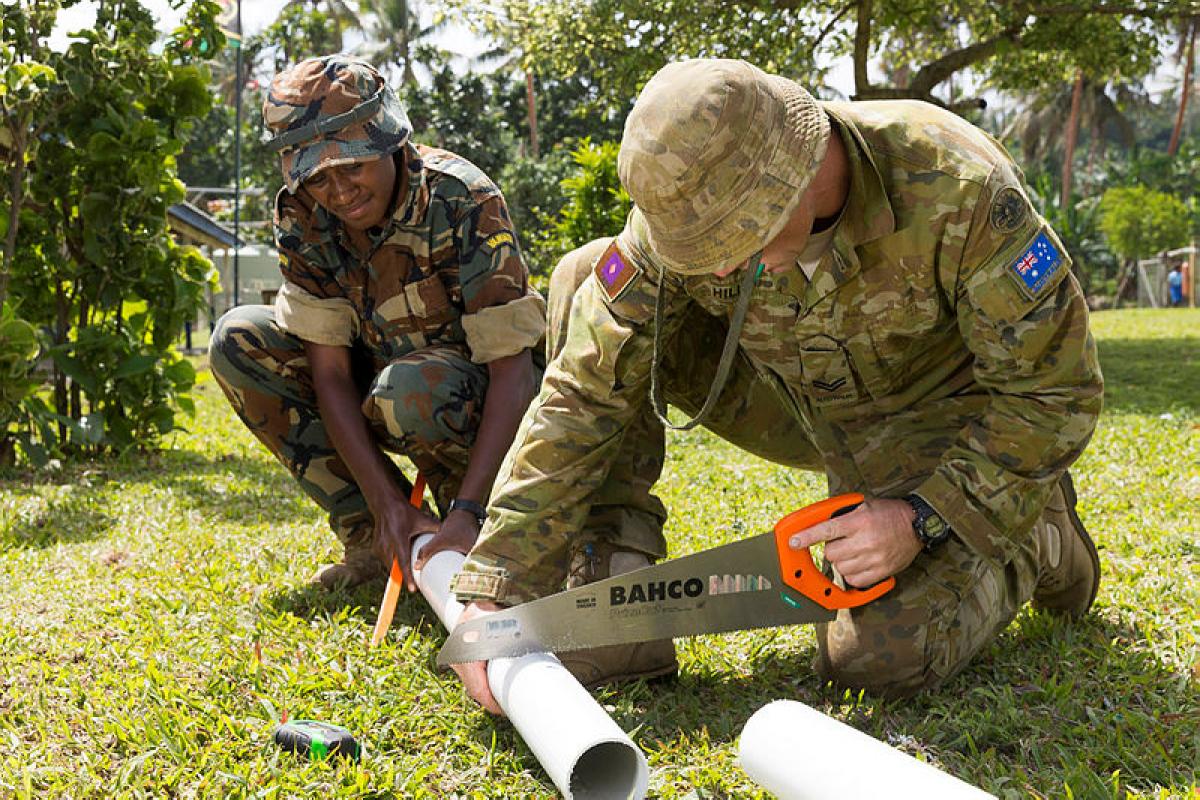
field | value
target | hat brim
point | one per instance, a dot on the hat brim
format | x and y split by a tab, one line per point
351	145
763	211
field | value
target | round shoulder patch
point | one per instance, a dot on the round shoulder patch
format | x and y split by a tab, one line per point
1008	210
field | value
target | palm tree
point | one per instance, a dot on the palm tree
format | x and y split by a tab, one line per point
397	37
512	60
1082	105
344	17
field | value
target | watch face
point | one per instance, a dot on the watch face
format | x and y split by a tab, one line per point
934	526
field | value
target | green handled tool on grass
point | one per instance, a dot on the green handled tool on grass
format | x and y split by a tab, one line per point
317	740
758	582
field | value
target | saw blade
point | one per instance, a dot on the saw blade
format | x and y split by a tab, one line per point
732	587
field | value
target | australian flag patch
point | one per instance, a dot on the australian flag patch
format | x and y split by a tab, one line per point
1037	265
615	272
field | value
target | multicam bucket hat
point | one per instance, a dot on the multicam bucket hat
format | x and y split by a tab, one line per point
332	110
717	153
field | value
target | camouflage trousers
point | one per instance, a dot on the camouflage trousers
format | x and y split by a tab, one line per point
426	405
947	605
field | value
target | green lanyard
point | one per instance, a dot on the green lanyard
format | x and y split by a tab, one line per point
745	289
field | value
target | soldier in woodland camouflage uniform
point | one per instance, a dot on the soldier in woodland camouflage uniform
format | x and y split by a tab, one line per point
899	317
405	321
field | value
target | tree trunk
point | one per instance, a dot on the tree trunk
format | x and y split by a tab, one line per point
862	49
1186	91
531	102
76	389
1128	272
1072	137
60	378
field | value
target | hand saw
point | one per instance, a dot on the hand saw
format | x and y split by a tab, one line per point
758	582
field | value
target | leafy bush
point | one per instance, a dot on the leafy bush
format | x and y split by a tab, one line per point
1140	222
533	190
18	348
93	262
595	204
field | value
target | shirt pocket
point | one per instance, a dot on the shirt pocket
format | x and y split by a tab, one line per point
828	376
419	312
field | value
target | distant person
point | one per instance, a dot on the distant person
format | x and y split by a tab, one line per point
1175	287
406	322
889	309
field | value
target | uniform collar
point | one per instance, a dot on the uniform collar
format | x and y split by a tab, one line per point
867	215
410	208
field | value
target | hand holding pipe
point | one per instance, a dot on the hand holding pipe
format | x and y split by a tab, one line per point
585	753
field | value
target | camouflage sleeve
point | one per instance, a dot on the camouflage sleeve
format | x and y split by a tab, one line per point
568	439
1023	316
321	320
504	315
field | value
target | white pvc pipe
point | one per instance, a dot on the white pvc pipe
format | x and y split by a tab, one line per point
798	753
584	752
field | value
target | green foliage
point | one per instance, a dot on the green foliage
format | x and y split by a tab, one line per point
299	33
155	624
1141	222
459	113
1173	175
533	191
19	348
619	44
1052	49
596	202
95	265
1078	226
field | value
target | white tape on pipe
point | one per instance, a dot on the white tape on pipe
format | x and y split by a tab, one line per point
584	752
798	753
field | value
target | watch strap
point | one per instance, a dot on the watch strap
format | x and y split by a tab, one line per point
471	507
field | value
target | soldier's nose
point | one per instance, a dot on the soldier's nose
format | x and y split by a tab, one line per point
342	189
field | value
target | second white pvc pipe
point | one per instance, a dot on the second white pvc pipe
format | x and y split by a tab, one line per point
798	753
585	753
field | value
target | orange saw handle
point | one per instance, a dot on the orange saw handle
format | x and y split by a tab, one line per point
799	571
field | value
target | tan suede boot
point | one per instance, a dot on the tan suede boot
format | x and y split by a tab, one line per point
1070	565
619	662
359	564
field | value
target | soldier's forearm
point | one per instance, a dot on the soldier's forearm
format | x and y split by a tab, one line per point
511	385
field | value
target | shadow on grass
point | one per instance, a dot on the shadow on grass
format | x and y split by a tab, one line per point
224	488
311	602
1033	700
69	519
1151	376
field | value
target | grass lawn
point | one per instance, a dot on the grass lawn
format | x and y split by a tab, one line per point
155	621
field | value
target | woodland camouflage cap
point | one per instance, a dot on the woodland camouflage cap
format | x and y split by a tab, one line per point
716	154
332	110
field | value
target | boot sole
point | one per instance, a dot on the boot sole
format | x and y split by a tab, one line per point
1068	487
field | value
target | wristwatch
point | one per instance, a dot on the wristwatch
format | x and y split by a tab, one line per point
929	526
471	507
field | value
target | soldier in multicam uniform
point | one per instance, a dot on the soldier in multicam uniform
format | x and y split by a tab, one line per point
894	312
405	323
